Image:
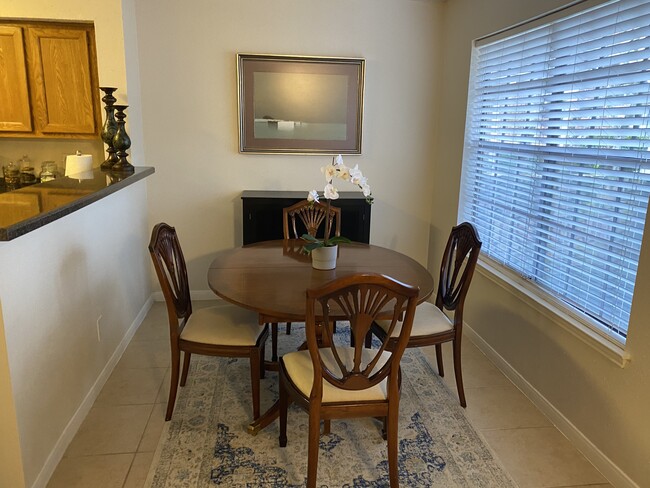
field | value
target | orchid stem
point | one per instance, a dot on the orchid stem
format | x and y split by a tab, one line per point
328	224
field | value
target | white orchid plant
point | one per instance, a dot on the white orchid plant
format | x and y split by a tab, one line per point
336	170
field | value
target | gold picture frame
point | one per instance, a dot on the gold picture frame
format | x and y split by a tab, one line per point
300	104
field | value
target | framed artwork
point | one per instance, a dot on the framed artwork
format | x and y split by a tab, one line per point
299	104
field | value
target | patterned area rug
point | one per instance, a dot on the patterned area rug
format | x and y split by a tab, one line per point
206	443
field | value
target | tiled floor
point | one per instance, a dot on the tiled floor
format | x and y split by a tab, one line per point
115	444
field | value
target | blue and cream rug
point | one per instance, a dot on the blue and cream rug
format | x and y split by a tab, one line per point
206	443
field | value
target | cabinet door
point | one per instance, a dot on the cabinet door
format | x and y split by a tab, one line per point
16	206
60	64
53	199
263	218
15	113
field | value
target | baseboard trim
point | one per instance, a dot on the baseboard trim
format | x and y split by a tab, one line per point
77	419
600	461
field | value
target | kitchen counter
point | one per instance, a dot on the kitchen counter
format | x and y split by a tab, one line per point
31	207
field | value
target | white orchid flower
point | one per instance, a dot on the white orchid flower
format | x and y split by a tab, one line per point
356	175
331	193
329	171
335	170
343	173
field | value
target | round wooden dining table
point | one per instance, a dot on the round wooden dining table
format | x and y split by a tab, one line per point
272	277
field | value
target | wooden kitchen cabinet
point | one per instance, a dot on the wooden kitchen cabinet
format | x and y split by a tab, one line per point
15	206
15	114
61	81
55	198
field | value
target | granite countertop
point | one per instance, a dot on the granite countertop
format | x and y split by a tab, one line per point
31	207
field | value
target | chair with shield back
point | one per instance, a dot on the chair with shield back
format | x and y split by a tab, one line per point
334	380
224	330
303	217
306	217
432	326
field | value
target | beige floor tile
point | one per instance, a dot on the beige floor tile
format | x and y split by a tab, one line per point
478	371
155	325
502	408
163	392
541	457
139	470
107	471
469	351
154	428
196	304
128	386
110	430
146	354
476	375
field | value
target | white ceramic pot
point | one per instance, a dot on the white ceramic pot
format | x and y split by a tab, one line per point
324	257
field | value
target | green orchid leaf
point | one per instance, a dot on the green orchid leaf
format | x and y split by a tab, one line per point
338	240
310	247
310	238
314	243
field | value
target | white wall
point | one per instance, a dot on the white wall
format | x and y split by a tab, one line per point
56	281
603	407
189	101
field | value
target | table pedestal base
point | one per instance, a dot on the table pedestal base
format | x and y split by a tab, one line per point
265	419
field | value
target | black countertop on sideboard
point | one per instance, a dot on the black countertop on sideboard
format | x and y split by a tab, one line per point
31	207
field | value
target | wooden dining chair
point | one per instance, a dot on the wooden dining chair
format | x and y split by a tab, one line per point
339	381
225	330
306	218
432	326
303	217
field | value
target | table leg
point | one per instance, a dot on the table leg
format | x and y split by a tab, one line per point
274	342
265	419
271	366
274	411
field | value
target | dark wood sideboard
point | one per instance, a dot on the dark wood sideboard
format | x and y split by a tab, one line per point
262	214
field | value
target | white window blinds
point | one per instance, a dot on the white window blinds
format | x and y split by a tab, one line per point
556	174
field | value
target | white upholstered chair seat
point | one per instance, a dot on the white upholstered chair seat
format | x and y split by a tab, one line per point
300	369
428	320
224	325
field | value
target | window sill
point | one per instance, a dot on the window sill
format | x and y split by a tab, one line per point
554	311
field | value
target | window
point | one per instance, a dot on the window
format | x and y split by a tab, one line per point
556	175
